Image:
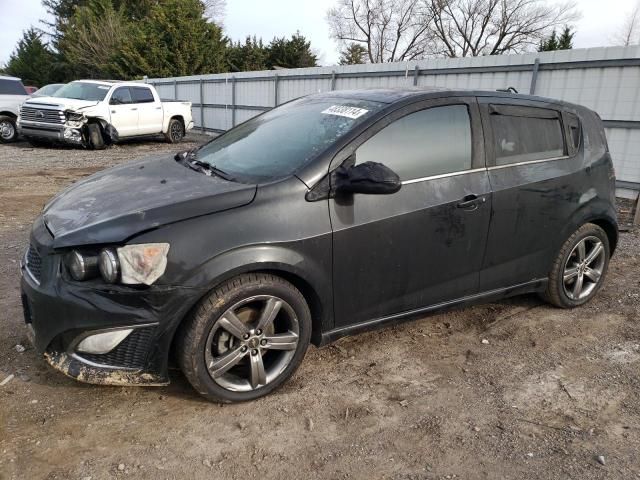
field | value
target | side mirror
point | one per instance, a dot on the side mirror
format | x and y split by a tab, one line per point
369	177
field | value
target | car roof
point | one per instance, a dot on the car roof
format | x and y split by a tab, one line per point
7	77
394	95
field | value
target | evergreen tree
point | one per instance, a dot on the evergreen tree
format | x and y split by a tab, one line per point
32	60
250	56
353	54
293	53
565	42
553	42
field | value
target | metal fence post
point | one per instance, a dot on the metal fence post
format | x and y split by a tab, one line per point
202	128
416	72
333	80
534	76
233	102
275	90
175	89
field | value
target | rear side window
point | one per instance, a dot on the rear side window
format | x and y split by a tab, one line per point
11	87
430	142
121	96
142	95
524	134
574	130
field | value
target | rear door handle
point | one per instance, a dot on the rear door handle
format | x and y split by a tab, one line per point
133	109
471	202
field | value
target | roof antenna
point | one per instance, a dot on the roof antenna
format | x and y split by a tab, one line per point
507	90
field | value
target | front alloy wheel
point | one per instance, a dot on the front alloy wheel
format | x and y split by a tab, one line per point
247	348
8	130
243	340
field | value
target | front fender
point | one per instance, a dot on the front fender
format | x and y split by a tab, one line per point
311	278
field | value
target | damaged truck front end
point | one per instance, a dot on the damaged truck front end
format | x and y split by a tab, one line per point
48	123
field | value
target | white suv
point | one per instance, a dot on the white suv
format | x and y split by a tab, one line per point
12	94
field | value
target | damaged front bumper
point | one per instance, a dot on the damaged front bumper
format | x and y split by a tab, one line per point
70	128
60	314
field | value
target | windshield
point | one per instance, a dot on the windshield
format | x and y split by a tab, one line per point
83	91
277	143
48	90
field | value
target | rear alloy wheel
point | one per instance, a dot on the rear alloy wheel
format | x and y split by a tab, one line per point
580	268
245	339
175	131
8	130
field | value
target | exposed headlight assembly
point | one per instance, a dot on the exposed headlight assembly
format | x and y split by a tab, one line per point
130	265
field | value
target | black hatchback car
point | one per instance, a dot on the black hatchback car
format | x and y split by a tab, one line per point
329	215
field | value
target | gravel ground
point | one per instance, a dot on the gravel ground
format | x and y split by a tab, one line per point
515	389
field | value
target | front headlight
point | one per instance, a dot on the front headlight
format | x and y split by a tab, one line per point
130	265
81	266
143	263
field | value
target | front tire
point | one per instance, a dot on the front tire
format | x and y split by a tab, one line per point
96	140
245	339
580	268
8	129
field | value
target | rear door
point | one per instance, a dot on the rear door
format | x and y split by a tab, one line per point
531	170
149	110
124	114
424	244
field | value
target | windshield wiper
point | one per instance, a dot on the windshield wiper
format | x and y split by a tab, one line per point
189	159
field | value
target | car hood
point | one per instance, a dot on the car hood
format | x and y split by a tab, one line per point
115	204
60	103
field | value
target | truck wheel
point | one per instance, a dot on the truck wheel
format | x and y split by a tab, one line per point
579	269
96	141
175	132
245	339
8	130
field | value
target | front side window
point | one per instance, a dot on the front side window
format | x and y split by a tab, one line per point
121	96
278	142
141	95
430	142
83	91
523	134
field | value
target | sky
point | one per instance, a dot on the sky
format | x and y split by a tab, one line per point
268	19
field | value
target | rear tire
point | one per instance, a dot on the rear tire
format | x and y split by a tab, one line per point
175	131
96	140
245	338
8	129
579	269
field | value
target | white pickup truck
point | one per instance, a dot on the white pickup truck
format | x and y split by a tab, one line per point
95	113
12	94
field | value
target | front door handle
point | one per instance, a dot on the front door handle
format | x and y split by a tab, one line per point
471	202
133	109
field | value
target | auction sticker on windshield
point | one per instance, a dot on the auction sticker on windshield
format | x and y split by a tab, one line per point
345	111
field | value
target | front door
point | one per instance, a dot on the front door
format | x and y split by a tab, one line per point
424	244
124	114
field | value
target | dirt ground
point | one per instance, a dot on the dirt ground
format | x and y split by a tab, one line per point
544	396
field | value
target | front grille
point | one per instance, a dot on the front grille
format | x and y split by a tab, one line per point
42	115
130	353
33	263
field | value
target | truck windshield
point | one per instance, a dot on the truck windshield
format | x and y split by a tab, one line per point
83	91
277	143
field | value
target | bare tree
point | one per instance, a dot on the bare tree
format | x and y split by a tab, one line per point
390	30
629	33
493	27
215	10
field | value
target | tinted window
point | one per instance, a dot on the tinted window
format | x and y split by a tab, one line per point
83	91
142	95
11	87
121	96
278	142
526	137
422	144
574	129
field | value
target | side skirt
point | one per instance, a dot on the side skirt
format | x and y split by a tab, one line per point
484	297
